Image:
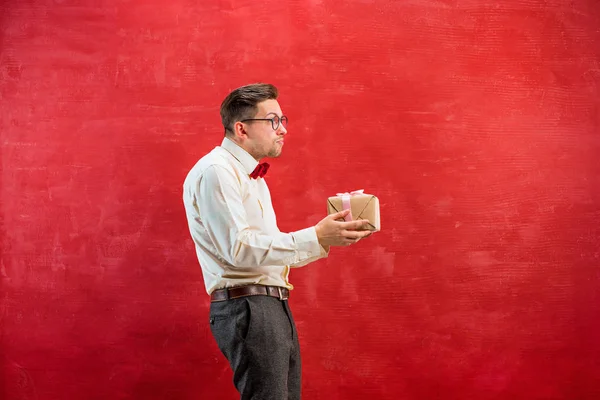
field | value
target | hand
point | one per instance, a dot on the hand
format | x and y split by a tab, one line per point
334	233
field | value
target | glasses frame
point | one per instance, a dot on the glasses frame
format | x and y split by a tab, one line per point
275	121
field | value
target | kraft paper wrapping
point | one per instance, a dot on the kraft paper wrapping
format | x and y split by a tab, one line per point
362	206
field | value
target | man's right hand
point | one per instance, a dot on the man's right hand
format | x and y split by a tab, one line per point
335	233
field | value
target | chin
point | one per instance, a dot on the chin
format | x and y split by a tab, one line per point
274	154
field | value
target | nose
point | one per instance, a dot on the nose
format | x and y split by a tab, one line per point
281	130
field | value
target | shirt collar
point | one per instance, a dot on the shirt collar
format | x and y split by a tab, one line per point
248	162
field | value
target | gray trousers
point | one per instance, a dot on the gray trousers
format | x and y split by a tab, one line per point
257	335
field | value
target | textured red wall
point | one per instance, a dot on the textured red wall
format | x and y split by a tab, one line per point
477	123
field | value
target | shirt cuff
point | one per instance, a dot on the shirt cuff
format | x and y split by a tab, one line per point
307	244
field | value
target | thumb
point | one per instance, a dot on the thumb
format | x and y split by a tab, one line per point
341	214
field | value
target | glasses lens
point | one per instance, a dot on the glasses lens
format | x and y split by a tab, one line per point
284	121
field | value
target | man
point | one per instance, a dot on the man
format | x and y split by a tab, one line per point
245	259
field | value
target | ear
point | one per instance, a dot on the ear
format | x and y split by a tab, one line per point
239	130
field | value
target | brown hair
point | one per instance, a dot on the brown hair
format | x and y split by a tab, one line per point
241	103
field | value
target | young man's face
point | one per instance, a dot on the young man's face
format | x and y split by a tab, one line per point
261	139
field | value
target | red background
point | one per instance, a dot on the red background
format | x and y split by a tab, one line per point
476	123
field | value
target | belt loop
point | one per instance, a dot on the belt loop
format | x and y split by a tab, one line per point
280	295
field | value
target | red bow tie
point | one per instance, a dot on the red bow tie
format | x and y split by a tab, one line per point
260	170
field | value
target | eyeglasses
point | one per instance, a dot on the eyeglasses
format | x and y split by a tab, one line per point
275	121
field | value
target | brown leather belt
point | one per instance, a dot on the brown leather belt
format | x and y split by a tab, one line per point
250	290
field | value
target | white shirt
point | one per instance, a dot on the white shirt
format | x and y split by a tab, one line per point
233	225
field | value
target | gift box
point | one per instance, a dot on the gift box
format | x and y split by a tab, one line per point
362	206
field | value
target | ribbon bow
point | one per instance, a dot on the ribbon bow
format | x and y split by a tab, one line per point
260	170
346	201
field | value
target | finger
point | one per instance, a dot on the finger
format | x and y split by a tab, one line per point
340	217
353	225
340	214
353	234
356	234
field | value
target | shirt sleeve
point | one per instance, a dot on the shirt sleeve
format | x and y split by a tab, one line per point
309	234
222	213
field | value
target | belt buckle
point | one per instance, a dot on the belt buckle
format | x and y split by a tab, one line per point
280	294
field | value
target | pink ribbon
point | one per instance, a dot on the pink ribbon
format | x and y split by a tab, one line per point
346	201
